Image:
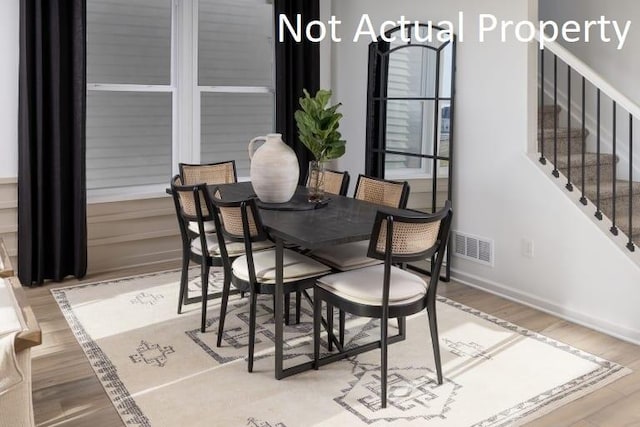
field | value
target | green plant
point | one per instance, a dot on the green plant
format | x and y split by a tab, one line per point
318	126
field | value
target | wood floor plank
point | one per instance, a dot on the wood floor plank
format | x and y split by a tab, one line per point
623	412
577	410
67	392
629	384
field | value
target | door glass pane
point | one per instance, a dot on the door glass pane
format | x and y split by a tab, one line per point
412	73
129	42
400	166
443	139
128	139
446	73
230	121
235	45
409	126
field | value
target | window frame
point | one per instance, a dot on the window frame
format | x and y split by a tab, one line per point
186	94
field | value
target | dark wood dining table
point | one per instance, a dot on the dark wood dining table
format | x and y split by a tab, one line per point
340	220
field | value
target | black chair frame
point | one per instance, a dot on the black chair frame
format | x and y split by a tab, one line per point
402	204
252	285
205	261
385	311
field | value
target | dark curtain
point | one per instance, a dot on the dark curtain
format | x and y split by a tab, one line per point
297	68
52	230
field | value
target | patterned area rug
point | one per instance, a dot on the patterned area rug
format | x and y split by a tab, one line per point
159	370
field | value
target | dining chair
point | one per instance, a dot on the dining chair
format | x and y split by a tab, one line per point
353	255
385	291
207	173
193	205
255	272
335	182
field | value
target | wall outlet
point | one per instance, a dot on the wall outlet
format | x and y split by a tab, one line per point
528	248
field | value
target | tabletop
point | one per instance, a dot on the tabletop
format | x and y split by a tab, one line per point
342	220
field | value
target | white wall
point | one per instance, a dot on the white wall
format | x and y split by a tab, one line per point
499	192
619	67
9	50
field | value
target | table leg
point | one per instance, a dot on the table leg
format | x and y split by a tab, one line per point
279	296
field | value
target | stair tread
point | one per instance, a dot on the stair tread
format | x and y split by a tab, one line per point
606	191
549	108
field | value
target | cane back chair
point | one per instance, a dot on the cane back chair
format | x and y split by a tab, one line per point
385	291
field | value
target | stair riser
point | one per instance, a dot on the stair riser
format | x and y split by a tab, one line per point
547	118
563	146
622	205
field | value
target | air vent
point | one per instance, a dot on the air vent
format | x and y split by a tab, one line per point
474	248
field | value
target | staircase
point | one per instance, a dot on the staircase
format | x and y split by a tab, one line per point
595	181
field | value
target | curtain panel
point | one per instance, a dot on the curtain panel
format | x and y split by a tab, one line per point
297	68
52	230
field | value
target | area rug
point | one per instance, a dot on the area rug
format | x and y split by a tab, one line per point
159	370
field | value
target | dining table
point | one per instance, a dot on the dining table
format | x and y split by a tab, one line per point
309	225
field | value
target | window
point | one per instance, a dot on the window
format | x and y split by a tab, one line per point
174	81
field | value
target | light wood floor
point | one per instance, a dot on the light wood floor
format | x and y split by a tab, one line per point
67	392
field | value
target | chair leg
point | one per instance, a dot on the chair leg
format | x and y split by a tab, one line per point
205	291
252	327
317	319
402	326
330	325
184	279
383	360
433	327
223	306
341	322
287	307
298	307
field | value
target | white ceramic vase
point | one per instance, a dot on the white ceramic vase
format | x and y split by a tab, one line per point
274	169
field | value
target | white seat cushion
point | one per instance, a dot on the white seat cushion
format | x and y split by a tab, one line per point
209	227
233	248
295	267
364	286
347	256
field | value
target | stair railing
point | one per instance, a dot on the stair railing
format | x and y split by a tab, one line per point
588	79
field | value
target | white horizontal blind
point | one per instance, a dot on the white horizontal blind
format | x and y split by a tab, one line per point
236	77
129	41
235	43
128	139
130	93
229	122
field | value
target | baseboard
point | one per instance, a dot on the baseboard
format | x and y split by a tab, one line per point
501	290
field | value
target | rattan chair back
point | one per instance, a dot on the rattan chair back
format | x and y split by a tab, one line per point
382	192
410	237
335	182
211	173
240	220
